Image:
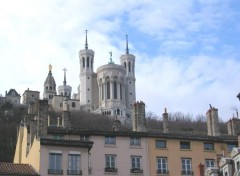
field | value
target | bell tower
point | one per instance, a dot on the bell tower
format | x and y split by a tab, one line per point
128	62
86	58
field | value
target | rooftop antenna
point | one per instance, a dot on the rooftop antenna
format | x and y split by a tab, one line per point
210	106
86	43
127	50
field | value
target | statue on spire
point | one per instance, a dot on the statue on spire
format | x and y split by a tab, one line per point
50	67
110	62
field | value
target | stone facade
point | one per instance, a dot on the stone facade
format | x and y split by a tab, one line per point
29	95
13	97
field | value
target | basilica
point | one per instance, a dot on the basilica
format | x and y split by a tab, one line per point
109	91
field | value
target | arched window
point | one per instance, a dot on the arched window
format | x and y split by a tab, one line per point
73	104
102	92
47	87
129	66
65	93
92	63
125	65
50	87
83	62
118	112
108	89
120	91
115	90
87	61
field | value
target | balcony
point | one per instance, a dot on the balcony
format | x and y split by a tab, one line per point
110	169
55	171
74	172
136	170
162	172
186	172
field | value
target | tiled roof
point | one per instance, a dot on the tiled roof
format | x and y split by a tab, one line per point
17	169
12	92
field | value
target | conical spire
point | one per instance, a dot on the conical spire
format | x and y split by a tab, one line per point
86	43
127	50
64	82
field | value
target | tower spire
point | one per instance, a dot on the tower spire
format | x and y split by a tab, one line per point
64	82
86	43
127	50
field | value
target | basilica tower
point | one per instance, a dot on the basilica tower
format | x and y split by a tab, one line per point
87	77
49	86
128	62
65	90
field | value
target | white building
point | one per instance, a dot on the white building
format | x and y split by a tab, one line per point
110	90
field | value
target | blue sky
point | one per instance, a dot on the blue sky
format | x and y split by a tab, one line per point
187	52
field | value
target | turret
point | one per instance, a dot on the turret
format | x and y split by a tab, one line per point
86	58
128	62
49	86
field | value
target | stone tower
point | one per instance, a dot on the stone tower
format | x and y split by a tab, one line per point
128	62
86	58
138	117
212	122
65	90
49	86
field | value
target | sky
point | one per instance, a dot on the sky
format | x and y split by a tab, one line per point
187	51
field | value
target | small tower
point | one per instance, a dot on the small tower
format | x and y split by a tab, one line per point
49	86
65	90
138	117
128	62
86	58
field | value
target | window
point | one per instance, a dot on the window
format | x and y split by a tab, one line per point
209	162
83	60
108	90
73	104
115	90
184	145
87	61
102	92
160	144
162	165
84	138
237	165
230	146
120	91
55	163
208	146
129	66
135	141
110	163
110	140
74	164
60	104
136	164
186	166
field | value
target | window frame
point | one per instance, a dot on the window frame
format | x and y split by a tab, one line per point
55	163
186	166
210	162
208	146
135	141
161	144
110	140
110	161
162	168
185	145
74	164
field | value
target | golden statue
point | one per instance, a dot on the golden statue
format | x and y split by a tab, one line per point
50	67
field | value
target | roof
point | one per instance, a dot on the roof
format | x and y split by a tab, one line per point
148	134
12	92
17	169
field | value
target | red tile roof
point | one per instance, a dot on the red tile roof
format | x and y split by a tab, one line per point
17	169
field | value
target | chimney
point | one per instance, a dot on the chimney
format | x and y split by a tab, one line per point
165	121
66	118
232	126
138	117
200	170
212	122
